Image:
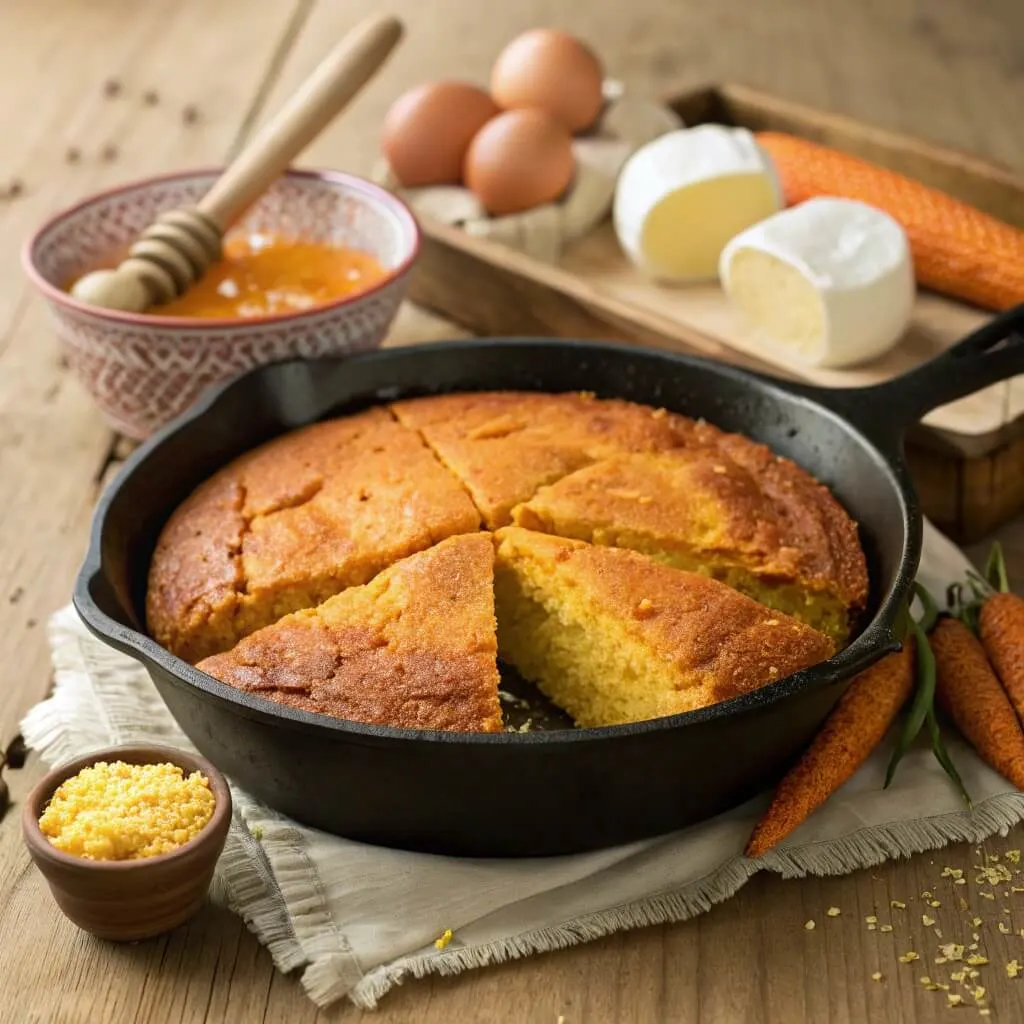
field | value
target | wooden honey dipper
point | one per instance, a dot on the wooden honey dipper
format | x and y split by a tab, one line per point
176	250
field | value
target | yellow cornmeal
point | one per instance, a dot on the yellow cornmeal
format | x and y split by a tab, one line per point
119	811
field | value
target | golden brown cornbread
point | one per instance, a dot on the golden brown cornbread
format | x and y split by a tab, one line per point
612	636
291	523
754	521
415	648
504	445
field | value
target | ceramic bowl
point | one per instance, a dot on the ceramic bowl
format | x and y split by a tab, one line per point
125	901
143	370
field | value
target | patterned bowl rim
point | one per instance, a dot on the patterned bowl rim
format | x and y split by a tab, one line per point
367	189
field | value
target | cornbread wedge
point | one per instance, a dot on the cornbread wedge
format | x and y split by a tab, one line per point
413	648
504	445
293	522
733	512
611	636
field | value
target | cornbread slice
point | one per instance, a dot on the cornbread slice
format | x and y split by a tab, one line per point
773	534
504	445
413	648
611	636
293	522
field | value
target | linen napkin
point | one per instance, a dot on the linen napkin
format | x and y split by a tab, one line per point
357	920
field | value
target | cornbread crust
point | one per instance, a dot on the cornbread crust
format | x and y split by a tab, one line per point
677	640
414	648
720	507
505	445
291	523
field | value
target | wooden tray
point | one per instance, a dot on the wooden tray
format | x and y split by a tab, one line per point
968	456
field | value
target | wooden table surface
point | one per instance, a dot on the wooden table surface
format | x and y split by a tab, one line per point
950	71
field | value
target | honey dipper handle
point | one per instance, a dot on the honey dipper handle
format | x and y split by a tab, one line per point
342	73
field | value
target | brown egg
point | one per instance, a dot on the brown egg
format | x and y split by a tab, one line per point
519	160
549	70
428	129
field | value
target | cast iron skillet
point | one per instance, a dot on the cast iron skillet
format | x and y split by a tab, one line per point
536	793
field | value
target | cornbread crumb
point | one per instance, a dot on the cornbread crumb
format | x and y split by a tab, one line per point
885	928
976	921
1013	856
871	919
977	960
934	903
445	938
908	958
877	976
897	904
1005	929
119	811
809	925
833	911
952	873
927	921
954	998
952	951
1013	969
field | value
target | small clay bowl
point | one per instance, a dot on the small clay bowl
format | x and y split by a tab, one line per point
125	901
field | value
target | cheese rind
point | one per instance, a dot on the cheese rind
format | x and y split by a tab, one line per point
680	198
830	281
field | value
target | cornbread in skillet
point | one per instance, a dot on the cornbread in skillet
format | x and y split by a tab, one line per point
731	510
612	636
504	445
293	522
413	648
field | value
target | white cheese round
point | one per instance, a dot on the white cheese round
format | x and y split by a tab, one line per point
681	197
830	281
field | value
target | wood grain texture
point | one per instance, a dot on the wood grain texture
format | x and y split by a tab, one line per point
961	82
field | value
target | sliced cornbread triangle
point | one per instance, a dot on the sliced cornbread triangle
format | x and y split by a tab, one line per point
504	445
734	512
414	648
612	636
293	522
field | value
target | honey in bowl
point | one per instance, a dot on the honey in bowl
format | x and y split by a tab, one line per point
267	274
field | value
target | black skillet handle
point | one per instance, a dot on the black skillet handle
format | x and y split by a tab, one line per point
993	353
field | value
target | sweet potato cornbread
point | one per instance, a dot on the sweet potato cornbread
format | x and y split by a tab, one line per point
320	547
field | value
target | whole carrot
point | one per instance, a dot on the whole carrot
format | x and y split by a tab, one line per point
855	727
969	692
1001	628
958	249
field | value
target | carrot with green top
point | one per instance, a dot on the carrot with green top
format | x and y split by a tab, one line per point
1000	621
852	731
970	693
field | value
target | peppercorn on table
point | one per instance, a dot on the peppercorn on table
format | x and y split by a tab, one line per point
95	96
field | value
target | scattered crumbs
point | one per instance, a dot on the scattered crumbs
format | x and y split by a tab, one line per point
979	993
959	881
190	114
833	911
927	921
963	903
952	873
954	998
928	983
926	895
1013	856
987	895
934	903
975	936
256	832
1005	929
809	925
976	922
984	1012
871	919
973	945
877	976
446	937
909	958
872	927
885	928
952	951
977	960
1017	888
938	933
993	874
527	726
1006	910
942	960
111	88
897	904
958	976
1013	969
